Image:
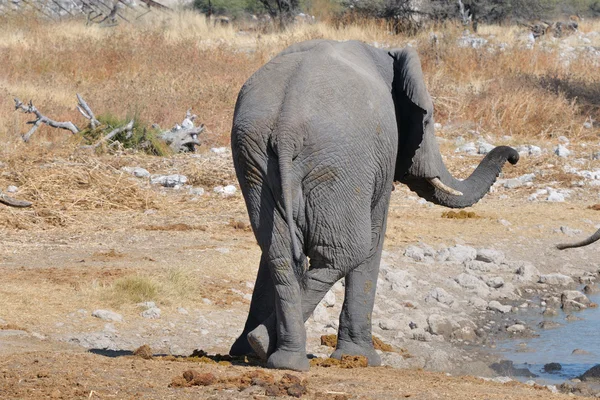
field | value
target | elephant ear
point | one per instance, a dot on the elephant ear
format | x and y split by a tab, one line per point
414	116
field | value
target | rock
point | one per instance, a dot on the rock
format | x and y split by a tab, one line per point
556	197
321	315
580	352
400	281
497	306
439	295
550	312
479	266
439	325
107	315
414	252
138	172
556	279
592	374
490	256
196	191
512	183
562	151
572	305
484	147
507	368
495	282
552	367
219	150
182	311
549	325
169	180
471	282
516	328
146	304
460	253
226	191
329	299
151	313
389	325
590	289
12	189
572	318
574	300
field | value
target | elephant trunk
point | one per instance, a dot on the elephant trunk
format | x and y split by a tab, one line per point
445	190
595	237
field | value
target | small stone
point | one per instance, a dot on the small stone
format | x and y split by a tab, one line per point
12	189
552	367
497	306
580	352
495	282
182	311
107	315
329	299
549	325
550	312
556	279
556	197
516	328
562	151
414	252
196	191
169	180
460	253
490	256
439	295
151	313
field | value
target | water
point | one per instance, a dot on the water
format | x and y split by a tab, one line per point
556	345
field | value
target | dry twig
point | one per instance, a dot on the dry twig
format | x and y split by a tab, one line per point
41	119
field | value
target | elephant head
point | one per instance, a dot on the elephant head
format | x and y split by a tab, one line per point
595	237
419	164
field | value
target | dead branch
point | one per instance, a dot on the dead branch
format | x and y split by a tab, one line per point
9	201
111	135
87	112
41	119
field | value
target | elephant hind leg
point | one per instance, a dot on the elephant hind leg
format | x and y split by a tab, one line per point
354	333
262	306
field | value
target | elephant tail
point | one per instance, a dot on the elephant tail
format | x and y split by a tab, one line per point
285	172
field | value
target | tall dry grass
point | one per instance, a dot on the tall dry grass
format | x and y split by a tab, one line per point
158	68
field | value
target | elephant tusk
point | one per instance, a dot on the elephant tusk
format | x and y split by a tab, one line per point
9	201
436	183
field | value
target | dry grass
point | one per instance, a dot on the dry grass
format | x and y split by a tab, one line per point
159	68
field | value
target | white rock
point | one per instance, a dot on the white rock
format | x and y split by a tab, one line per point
556	197
196	191
497	306
107	315
460	253
562	151
329	299
225	191
470	282
182	311
12	189
490	256
556	279
516	328
414	252
219	150
495	282
169	180
439	295
151	313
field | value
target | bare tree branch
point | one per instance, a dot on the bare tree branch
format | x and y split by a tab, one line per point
9	201
86	111
41	119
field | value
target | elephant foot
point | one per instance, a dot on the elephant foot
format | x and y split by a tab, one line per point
353	349
294	360
241	347
262	341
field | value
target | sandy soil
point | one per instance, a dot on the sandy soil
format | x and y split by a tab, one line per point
202	260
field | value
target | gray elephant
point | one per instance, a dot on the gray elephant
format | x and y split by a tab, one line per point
319	135
594	238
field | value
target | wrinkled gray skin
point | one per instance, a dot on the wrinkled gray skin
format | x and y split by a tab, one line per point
594	238
319	135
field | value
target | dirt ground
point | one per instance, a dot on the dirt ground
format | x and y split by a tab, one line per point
52	273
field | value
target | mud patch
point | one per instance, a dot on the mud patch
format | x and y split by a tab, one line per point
174	227
110	255
595	207
144	352
378	344
462	214
346	361
287	385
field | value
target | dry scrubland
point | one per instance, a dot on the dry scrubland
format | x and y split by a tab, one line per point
97	238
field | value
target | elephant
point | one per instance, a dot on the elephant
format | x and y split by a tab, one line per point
595	237
320	133
12	202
